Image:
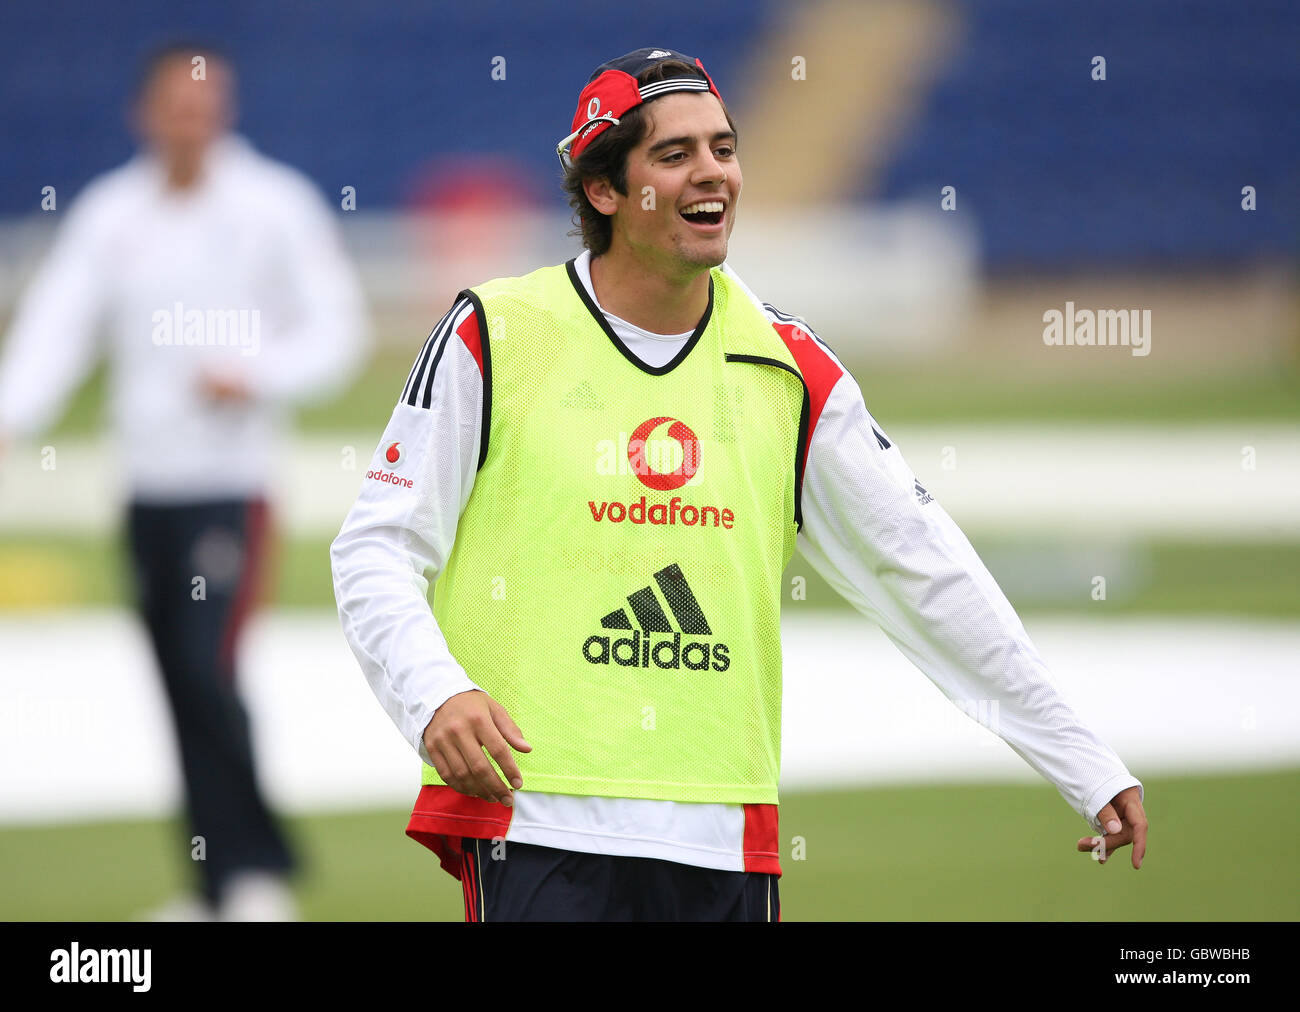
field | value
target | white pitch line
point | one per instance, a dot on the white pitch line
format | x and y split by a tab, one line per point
84	731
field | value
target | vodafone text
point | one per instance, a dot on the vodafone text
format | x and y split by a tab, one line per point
388	478
75	965
672	512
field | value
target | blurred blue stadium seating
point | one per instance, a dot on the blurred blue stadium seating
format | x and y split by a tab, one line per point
1143	169
352	93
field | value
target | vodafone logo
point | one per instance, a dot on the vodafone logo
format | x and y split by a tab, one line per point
658	480
651	452
393	455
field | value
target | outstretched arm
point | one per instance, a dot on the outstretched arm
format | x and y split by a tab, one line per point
889	548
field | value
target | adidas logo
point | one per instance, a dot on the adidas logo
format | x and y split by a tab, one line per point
922	496
636	650
658	54
583	396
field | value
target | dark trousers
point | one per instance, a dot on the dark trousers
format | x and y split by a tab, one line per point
505	881
197	570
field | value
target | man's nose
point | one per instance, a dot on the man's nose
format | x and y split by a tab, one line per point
710	170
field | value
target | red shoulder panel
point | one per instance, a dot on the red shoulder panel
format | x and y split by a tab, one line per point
819	370
468	332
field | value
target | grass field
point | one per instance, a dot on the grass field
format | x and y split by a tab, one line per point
1168	578
1221	848
936	390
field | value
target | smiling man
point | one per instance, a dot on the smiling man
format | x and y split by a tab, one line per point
605	466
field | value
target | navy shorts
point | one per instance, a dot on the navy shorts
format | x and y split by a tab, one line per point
506	881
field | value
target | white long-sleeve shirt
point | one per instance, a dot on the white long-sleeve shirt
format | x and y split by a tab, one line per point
868	527
242	274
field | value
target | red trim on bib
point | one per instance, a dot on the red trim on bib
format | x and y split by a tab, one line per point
762	847
443	815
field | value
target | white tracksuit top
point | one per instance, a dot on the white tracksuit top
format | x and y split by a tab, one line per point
890	550
243	273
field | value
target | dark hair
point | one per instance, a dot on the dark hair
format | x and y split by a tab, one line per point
154	58
606	158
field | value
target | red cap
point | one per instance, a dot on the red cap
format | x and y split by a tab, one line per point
612	90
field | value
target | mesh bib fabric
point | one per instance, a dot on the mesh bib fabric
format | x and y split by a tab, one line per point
615	582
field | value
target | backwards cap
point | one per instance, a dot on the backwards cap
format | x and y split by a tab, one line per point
612	90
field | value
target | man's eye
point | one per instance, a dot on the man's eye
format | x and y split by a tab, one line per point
675	155
726	152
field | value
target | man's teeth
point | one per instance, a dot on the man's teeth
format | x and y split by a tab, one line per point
704	207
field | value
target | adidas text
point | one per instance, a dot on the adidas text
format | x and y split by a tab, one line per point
636	651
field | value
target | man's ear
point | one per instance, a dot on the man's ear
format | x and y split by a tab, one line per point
601	193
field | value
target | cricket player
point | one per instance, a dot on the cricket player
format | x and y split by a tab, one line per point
217	279
605	618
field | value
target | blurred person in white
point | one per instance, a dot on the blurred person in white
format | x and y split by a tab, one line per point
215	281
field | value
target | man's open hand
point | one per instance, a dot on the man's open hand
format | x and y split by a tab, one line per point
460	730
1125	823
